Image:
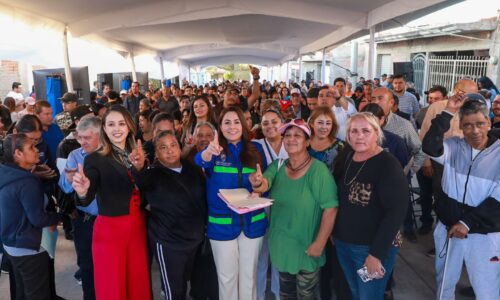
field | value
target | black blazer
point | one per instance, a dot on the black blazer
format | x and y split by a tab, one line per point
109	184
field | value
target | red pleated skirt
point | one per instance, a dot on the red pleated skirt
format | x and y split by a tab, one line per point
120	252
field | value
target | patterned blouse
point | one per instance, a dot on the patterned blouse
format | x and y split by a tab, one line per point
328	155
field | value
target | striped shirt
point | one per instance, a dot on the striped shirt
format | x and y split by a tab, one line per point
408	103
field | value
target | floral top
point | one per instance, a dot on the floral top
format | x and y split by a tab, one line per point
328	155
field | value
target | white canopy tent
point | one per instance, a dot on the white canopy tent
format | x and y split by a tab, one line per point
196	33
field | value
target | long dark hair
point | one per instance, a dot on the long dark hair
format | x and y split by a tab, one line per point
486	83
107	149
249	155
192	117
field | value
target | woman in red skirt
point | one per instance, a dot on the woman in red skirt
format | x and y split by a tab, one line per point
119	246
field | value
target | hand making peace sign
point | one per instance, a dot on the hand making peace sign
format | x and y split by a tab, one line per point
137	157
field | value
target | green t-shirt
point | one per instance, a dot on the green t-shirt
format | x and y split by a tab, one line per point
296	215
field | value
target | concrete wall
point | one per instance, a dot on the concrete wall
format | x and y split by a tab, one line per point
9	72
402	51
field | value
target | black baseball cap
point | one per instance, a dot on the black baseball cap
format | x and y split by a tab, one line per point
69	97
81	111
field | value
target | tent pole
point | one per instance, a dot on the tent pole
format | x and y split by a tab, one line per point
132	64
67	66
300	68
162	71
323	67
371	54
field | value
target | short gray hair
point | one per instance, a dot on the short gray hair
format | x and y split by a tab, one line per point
90	122
204	123
473	103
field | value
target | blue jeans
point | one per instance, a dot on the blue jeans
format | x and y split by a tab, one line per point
352	258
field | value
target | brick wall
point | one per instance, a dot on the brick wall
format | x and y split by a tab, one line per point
9	72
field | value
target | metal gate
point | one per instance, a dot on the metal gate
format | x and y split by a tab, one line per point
419	73
447	70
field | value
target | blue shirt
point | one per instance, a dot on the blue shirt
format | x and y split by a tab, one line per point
76	157
53	136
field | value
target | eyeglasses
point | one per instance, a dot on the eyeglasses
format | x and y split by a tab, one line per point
469	126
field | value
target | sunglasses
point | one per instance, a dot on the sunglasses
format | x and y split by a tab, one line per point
299	122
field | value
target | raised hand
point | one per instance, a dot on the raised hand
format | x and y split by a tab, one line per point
256	177
137	156
80	183
455	102
254	70
212	149
334	91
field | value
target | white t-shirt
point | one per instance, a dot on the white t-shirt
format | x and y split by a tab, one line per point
342	116
17	96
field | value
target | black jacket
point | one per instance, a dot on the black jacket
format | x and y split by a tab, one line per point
110	184
178	204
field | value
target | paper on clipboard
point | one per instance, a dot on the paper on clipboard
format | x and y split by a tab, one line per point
241	201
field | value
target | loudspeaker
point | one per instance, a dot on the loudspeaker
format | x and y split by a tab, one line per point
81	83
404	68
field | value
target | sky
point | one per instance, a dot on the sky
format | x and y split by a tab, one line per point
463	12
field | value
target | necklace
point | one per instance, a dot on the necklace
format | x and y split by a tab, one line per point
357	173
301	166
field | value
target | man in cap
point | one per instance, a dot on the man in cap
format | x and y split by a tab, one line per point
63	119
300	110
30	107
468	208
123	95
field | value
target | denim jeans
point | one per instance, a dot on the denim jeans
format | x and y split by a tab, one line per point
352	258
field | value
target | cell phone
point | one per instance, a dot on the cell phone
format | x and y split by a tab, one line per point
365	276
70	170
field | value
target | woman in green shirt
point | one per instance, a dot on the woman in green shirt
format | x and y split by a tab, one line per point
303	213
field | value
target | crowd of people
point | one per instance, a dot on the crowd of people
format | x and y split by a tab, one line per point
135	176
